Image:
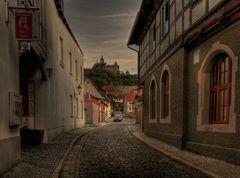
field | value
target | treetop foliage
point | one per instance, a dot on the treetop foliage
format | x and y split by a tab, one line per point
102	77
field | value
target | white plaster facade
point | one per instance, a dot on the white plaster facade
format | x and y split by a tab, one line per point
57	90
9	82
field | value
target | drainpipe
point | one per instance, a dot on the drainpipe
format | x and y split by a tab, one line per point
136	50
142	121
185	91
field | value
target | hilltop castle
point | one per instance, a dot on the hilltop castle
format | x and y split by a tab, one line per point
103	64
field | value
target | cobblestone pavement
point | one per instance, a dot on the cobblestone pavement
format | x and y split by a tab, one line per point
40	161
112	151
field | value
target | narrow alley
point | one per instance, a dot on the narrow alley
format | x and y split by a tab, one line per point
112	151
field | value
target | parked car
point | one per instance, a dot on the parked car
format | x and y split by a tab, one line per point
117	118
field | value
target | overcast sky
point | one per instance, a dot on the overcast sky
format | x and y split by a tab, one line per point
102	27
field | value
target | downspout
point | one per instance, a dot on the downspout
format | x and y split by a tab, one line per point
185	91
138	60
142	121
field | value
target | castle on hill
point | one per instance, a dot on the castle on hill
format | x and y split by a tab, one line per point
103	64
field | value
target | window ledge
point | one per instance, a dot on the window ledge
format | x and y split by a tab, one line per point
153	121
166	120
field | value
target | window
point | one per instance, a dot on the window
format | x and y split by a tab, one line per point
76	64
220	90
194	1
77	108
165	95
217	99
152	38
81	73
165	102
70	63
165	18
81	110
71	104
61	52
153	100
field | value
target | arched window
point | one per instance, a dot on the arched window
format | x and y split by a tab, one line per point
217	90
153	100
220	89
165	94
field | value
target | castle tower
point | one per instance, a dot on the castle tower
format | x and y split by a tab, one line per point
102	60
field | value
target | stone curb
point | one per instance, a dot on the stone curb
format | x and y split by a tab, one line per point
189	164
58	169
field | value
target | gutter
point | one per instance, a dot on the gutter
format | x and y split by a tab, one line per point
64	20
132	48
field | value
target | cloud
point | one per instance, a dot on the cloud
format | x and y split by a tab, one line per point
103	28
117	15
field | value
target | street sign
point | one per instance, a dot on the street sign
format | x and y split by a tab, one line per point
23	26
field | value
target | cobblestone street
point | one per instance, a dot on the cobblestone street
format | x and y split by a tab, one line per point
112	151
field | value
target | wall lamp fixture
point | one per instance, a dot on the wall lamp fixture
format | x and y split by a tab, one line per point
49	71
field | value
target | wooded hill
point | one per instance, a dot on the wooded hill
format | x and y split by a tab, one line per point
102	77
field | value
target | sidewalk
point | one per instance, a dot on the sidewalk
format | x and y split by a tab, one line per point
45	160
210	166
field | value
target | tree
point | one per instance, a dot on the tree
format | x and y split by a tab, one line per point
102	76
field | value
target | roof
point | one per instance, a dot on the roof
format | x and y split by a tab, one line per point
64	20
111	88
143	19
93	90
130	96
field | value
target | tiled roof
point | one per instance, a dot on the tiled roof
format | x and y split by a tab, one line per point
130	96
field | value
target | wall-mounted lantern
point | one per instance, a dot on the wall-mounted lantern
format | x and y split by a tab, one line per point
49	71
79	90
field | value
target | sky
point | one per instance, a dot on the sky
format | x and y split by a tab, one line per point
102	27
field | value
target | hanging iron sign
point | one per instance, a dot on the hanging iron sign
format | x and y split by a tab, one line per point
24	26
27	25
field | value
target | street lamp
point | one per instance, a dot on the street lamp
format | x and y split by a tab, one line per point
79	89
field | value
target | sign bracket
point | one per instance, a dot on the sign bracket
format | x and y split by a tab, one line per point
8	8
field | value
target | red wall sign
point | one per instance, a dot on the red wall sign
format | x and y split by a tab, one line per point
23	26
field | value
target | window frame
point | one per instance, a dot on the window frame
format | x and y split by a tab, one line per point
70	63
76	70
165	82
203	81
216	89
165	19
152	37
152	101
165	118
61	62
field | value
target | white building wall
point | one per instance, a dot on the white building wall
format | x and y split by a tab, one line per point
9	80
63	84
